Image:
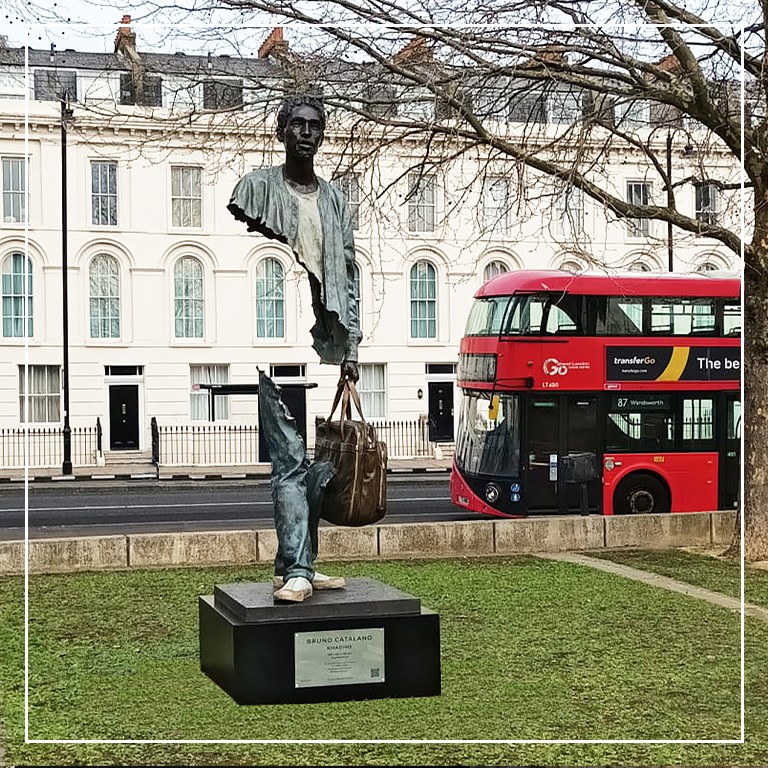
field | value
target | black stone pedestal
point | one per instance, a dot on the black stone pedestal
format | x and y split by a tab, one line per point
367	641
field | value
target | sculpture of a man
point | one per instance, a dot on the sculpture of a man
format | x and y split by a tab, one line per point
291	204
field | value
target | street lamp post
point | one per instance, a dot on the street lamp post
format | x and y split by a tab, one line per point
66	114
670	202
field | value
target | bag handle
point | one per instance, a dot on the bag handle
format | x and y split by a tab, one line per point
346	393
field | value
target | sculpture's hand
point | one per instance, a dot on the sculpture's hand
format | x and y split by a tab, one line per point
349	370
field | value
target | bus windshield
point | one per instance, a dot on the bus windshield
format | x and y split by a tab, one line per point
489	435
486	315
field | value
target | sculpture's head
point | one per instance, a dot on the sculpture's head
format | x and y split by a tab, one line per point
301	125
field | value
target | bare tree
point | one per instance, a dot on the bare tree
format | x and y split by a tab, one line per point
558	90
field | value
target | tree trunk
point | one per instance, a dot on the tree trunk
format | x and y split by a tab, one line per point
755	415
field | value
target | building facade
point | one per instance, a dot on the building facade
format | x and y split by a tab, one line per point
167	291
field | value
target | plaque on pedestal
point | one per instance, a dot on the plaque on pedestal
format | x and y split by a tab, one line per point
366	641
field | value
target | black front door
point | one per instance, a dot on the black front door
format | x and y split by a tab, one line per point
294	397
441	412
123	417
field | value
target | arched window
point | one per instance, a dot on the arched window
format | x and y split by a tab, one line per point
571	266
358	300
423	301
639	266
15	268
493	269
707	266
270	300
104	285
188	298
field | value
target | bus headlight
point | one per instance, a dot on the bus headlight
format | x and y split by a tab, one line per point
491	493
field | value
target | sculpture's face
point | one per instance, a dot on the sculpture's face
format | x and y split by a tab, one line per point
303	132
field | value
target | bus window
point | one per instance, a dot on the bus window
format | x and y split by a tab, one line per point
733	421
731	318
698	423
623	317
683	317
489	446
486	315
563	315
645	432
553	313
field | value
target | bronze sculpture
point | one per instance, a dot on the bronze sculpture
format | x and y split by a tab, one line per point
290	203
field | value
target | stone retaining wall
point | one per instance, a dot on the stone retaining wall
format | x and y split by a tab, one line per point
476	538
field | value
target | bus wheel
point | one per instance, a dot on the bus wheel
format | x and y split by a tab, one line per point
640	494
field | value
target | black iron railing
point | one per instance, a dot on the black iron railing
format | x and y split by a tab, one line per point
208	444
44	447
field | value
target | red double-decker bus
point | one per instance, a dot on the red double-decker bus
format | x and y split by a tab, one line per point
600	393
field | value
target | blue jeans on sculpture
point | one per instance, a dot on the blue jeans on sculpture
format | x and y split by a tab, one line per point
297	485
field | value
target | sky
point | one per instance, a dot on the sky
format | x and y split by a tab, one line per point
93	24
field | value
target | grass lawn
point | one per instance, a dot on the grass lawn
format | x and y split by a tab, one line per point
531	649
716	574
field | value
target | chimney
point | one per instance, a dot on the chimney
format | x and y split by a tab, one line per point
415	51
274	44
125	38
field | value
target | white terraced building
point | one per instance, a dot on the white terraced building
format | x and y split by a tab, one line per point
166	290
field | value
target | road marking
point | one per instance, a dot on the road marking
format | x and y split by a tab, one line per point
194	504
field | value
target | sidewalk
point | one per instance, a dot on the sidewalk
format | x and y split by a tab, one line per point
148	472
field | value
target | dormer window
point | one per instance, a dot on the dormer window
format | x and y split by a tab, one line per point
222	94
55	85
147	94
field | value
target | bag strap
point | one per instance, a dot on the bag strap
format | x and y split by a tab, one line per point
346	393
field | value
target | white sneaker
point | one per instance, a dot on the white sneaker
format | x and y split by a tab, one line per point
294	590
319	581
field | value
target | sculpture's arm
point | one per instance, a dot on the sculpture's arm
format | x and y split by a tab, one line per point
349	366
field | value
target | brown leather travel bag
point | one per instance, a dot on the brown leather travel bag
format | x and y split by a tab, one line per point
357	493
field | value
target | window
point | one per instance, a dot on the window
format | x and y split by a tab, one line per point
270	300
698	423
147	93
358	301
222	94
373	390
43	383
349	185
485	317
639	266
683	317
421	203
707	203
528	106
55	85
624	317
104	282
104	193
494	269
638	193
186	196
14	190
707	266
571	266
644	431
496	204
731	318
423	301
632	114
14	305
569	222
188	298
199	399
416	103
564	106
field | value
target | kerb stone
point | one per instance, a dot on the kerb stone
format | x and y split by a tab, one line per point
92	553
436	540
555	534
684	529
192	548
